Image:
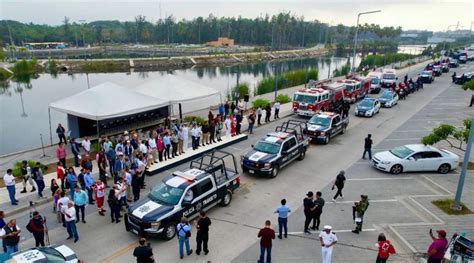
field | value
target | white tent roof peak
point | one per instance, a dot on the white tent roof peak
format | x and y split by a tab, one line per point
175	89
105	101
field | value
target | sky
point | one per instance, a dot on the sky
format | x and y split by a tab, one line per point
434	15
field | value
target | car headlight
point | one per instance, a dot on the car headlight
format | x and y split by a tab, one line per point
268	165
323	133
385	162
156	225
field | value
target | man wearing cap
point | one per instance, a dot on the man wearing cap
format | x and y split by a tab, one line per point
308	211
328	239
358	211
437	247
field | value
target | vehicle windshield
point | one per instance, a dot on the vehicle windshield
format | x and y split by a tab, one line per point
317	120
267	147
304	98
366	103
165	194
425	73
52	254
386	95
375	81
401	152
389	76
349	87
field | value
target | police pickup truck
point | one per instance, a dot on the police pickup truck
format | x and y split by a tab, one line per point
325	125
210	180
277	149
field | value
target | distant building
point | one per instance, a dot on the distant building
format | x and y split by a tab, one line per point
221	42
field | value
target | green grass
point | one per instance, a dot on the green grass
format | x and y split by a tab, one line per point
286	80
100	66
446	204
283	98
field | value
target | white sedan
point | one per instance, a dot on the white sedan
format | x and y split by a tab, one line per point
367	107
388	99
53	253
414	158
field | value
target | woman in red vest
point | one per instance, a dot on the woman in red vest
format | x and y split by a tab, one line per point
385	249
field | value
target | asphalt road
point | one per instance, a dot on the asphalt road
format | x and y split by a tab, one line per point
234	228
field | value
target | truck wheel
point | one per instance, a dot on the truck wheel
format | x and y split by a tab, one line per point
274	172
343	129
227	198
302	154
169	231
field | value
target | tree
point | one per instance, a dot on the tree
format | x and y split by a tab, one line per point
455	137
66	29
139	26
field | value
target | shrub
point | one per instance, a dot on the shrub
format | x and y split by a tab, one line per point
199	119
4	75
260	102
52	66
283	98
382	60
25	67
100	66
17	167
468	85
342	71
286	80
242	89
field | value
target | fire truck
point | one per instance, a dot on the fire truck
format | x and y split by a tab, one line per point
317	97
356	87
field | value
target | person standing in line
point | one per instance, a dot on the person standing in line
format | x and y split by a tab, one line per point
61	154
174	144
227	127
368	146
184	233
259	115
61	132
160	146
144	252
277	106
62	205
80	201
89	180
118	167
37	226
251	120
358	211
227	110
99	189
437	247
241	107
268	113
154	149
114	205
266	235
185	130
61	175
167	143
218	129
37	175
2	225
308	206
70	216
339	183
55	193
86	144
212	131
205	133
283	211
202	236
9	181
110	154
10	234
80	179
27	178
221	111
102	164
318	210
385	249
195	137
76	152
180	141
328	239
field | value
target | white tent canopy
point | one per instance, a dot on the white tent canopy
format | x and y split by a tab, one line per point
106	101
176	90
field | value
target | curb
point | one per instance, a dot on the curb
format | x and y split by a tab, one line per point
22	208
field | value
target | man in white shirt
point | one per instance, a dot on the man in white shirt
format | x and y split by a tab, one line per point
328	239
70	216
86	144
142	147
195	135
152	144
9	180
277	106
10	234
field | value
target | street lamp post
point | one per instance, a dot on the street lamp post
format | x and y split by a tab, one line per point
467	154
355	36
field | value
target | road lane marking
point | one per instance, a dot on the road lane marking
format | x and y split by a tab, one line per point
375	178
335	231
372	201
120	252
402	139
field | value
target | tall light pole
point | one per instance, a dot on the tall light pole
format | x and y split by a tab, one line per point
467	154
355	37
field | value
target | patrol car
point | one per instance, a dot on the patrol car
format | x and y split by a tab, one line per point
53	253
367	107
277	149
210	180
388	99
325	125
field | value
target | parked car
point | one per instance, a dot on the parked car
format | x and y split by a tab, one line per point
444	67
415	158
388	99
277	149
367	107
453	63
325	125
437	70
427	76
461	79
48	254
210	180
